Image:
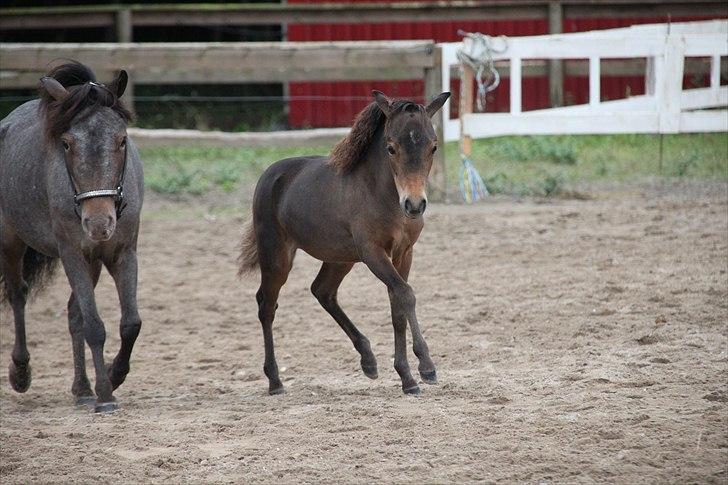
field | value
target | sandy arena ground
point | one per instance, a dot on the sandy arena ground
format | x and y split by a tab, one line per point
576	341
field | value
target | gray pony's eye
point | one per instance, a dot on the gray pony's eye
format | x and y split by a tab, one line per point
123	144
390	149
65	144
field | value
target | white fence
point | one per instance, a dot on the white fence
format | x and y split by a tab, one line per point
665	108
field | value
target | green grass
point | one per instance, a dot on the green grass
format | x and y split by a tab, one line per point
198	170
547	165
524	166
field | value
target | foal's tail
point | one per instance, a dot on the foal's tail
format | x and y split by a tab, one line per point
248	258
38	270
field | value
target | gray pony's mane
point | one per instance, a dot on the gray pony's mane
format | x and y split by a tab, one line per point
85	97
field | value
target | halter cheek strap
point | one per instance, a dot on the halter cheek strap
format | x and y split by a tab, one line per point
117	193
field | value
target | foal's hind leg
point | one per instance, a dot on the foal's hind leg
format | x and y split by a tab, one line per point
81	387
276	260
419	346
12	250
324	288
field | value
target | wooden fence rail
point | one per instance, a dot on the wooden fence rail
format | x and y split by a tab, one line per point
234	62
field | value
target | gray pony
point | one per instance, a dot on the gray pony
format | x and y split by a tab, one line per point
71	187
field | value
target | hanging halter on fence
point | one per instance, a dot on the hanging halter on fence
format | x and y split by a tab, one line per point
477	54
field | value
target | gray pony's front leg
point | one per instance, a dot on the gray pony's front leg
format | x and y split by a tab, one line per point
124	272
78	270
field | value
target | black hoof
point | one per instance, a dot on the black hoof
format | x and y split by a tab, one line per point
429	377
370	371
413	390
19	377
87	401
273	391
106	407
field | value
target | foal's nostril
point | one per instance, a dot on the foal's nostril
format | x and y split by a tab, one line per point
412	210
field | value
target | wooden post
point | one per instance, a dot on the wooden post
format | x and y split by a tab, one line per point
556	66
124	28
433	87
125	33
467	76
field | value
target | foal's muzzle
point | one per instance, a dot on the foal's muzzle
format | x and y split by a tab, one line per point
414	207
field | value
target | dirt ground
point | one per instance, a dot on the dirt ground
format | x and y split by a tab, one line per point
576	341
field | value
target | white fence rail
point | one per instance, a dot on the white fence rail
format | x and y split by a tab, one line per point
665	108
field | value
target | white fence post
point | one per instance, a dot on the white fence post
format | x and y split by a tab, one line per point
664	108
595	85
515	85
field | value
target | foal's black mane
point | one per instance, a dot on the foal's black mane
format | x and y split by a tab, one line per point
349	151
83	99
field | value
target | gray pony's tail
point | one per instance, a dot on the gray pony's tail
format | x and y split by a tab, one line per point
38	270
248	258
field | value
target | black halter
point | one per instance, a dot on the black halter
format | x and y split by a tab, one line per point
117	193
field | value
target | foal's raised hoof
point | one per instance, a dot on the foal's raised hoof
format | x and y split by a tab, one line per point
370	371
19	376
429	377
413	390
106	407
87	401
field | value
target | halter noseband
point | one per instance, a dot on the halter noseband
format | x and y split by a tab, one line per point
117	193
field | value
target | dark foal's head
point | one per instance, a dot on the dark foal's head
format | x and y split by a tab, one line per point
86	123
410	144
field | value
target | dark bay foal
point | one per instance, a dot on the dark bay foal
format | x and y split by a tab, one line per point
363	203
71	187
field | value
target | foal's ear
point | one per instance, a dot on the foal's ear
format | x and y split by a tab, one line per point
54	88
437	103
383	102
118	85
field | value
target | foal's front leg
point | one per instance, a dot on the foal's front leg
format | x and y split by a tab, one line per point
402	301
419	345
79	272
124	272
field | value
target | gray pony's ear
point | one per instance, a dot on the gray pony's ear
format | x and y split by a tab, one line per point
118	85
54	88
383	102
437	103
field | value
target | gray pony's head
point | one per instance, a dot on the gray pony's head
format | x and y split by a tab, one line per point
86	123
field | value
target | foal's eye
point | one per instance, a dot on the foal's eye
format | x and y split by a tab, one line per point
65	144
390	149
434	149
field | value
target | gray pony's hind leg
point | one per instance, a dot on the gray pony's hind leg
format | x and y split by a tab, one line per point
12	250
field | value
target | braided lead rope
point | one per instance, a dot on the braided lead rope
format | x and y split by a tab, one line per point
477	53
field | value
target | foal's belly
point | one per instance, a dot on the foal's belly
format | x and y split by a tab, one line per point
326	243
